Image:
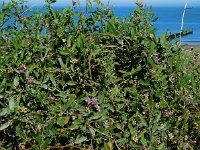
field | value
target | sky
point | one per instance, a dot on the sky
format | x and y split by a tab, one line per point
124	2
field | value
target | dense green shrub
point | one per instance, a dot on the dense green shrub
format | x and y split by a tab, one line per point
96	83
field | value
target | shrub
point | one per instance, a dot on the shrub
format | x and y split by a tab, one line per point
96	83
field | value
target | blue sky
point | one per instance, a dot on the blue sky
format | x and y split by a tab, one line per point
125	2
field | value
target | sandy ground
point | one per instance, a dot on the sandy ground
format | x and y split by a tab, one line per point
194	51
191	47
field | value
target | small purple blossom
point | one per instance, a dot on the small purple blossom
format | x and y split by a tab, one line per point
187	98
106	125
92	102
83	113
75	61
22	68
98	108
138	20
1	96
81	81
167	112
49	121
155	58
71	111
146	96
58	70
126	103
63	109
74	3
30	79
50	97
188	112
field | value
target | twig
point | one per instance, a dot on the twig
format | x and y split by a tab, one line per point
90	67
92	145
108	3
31	7
67	146
182	21
117	145
100	132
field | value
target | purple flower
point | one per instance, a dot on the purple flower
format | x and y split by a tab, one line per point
146	96
83	113
138	20
75	61
71	111
63	109
50	97
155	58
1	96
92	102
74	3
167	112
22	68
106	125
30	79
49	121
81	81
58	70
126	103
188	112
187	98
98	108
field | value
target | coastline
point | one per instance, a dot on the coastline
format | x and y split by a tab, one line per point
193	47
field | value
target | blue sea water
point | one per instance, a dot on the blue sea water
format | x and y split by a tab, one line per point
169	19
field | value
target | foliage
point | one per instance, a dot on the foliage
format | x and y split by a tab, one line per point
96	83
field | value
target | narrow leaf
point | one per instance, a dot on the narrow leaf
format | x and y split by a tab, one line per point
4	126
80	140
143	121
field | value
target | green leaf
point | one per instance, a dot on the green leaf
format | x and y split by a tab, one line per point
108	146
80	140
19	132
4	111
16	81
161	146
122	141
12	104
66	119
39	138
61	121
61	63
74	127
111	28
96	116
157	119
143	121
4	126
71	83
143	140
155	128
52	79
80	42
92	132
46	143
62	94
89	4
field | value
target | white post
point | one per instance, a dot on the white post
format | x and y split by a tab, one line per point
183	21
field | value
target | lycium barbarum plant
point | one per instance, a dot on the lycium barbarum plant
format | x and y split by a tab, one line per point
97	82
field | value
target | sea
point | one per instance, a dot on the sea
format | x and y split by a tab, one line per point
169	20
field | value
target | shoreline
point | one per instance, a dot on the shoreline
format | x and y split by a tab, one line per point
193	47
